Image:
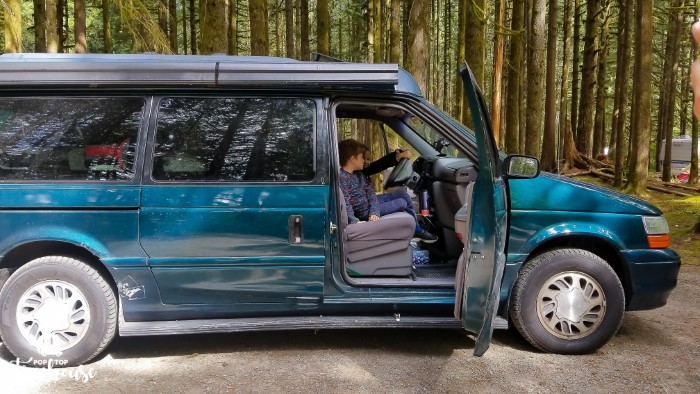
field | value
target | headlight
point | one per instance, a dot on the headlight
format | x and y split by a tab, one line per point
656	228
654	225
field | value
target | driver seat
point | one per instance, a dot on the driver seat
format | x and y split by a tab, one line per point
378	248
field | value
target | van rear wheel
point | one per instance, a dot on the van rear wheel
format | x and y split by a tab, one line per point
567	301
57	310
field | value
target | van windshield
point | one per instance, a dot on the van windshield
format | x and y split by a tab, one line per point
433	137
465	130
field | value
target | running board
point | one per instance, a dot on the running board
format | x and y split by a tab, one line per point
176	327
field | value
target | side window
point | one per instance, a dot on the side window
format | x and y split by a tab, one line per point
235	139
59	138
378	136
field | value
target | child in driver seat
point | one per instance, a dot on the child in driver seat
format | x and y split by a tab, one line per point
360	199
395	201
362	203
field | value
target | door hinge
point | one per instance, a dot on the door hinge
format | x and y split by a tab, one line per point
333	227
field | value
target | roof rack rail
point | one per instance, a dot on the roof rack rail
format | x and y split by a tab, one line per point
319	57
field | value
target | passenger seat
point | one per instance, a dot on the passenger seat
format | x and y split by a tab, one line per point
378	248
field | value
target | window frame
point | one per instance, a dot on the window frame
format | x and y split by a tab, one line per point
141	135
316	100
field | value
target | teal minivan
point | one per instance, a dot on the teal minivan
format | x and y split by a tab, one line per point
157	195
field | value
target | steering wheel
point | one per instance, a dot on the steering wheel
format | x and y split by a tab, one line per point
400	175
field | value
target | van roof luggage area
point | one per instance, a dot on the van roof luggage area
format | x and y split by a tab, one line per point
193	71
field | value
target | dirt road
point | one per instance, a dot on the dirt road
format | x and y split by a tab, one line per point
656	351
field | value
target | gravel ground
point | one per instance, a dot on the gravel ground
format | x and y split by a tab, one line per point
654	351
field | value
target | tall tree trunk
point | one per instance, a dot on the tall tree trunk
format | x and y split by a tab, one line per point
575	62
395	32
549	142
52	38
514	79
624	54
694	125
212	25
686	109
163	16
323	27
446	51
418	41
341	48
278	32
459	105
527	16
384	28
62	15
641	128
565	70
79	26
259	44
474	45
13	26
297	28
475	38
369	33
405	21
434	50
289	28
184	27
667	104
377	33
497	96
584	128
599	123
39	26
535	73
304	19
233	27
106	27
193	28
172	25
694	152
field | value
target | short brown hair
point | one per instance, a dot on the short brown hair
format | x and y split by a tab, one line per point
349	148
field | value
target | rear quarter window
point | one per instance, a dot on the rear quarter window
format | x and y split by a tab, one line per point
54	138
234	139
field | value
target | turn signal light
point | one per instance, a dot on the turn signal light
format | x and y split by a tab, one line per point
662	241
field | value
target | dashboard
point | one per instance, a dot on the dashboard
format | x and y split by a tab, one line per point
456	170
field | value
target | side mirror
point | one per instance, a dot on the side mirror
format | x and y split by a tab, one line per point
520	167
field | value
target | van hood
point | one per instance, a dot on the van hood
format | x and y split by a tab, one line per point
551	192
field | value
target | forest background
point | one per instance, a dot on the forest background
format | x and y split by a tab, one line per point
576	83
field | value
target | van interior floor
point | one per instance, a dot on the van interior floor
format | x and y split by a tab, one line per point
436	271
429	275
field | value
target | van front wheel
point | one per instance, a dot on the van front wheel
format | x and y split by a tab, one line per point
57	311
567	301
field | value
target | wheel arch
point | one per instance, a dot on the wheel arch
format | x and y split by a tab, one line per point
28	251
599	246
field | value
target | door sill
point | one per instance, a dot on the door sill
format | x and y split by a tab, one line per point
178	327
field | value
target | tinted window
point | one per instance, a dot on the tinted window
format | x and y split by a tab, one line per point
68	138
235	139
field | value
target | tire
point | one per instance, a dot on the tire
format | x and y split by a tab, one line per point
64	297
584	320
4	275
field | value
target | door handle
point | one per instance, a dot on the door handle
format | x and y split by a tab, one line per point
296	229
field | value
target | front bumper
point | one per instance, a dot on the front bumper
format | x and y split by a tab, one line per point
652	275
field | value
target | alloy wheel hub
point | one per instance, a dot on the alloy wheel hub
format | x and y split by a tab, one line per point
53	316
571	305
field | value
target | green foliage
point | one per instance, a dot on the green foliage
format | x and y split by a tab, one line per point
135	28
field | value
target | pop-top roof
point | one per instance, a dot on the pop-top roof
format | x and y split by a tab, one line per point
153	71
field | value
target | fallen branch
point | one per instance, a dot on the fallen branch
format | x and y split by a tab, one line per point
595	163
580	173
649	186
684	187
